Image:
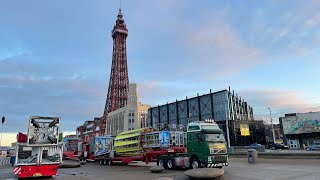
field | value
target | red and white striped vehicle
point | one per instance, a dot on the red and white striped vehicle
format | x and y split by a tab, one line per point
39	153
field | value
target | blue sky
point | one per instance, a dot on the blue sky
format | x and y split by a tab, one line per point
55	56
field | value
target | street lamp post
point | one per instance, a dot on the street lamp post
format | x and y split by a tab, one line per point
227	131
189	117
1	134
274	138
2	121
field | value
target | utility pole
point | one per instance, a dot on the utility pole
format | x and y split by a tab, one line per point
227	129
2	121
189	117
274	138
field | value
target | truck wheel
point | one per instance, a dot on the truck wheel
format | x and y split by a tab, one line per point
169	163
195	163
105	162
100	161
160	161
109	162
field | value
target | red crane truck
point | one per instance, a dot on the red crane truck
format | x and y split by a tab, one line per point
39	153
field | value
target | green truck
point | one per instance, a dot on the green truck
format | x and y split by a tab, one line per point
205	146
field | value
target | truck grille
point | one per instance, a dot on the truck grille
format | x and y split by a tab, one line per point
218	158
218	151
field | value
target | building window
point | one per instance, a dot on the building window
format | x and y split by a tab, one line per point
132	98
131	112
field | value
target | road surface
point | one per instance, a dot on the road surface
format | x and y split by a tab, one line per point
239	169
4	161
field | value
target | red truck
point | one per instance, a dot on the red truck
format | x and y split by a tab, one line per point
39	153
70	150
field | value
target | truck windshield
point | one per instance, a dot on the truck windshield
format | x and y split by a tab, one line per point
211	129
214	138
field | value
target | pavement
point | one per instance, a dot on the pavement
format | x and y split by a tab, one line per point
278	169
239	169
281	154
5	168
293	151
4	161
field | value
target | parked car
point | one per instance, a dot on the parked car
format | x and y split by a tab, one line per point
278	146
256	146
313	147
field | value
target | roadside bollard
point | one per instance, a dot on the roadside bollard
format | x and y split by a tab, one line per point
252	156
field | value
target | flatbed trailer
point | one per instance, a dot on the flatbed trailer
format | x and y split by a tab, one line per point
147	157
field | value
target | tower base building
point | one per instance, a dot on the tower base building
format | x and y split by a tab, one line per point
130	117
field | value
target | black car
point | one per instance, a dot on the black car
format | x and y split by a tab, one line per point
278	146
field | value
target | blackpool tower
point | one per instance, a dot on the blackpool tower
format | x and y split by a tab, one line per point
119	82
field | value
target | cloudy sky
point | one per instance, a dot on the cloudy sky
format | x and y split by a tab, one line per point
55	56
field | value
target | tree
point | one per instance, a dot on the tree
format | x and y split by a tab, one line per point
60	136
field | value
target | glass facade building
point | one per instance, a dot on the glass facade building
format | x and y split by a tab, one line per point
221	106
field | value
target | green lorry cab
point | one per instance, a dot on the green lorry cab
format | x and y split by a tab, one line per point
206	145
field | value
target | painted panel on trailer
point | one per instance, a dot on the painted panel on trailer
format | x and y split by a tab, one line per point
103	145
164	139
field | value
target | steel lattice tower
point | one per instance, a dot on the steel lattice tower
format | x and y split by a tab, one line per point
119	82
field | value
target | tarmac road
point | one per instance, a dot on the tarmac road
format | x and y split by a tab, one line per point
239	169
5	168
4	161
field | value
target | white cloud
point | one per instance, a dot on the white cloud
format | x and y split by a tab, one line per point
313	20
220	51
282	33
280	100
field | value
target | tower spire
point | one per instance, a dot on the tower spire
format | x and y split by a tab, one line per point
119	82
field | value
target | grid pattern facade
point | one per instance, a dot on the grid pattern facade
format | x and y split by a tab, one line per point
220	106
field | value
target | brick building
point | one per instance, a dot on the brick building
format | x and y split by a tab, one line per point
89	130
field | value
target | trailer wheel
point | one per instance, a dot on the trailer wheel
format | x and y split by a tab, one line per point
109	162
100	161
195	163
160	161
105	162
169	163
